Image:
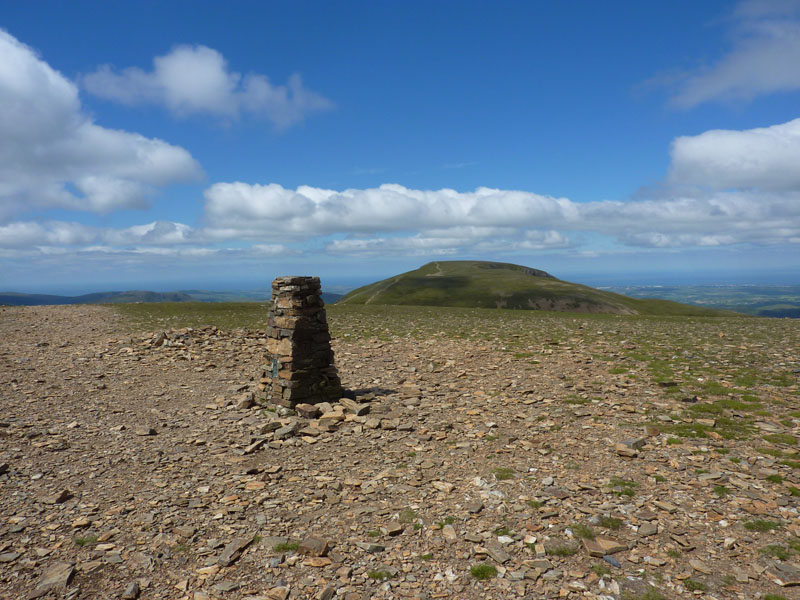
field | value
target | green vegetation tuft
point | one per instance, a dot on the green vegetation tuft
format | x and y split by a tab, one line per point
609	522
89	540
483	571
503	473
581	531
380	575
761	525
776	551
780	438
286	547
693	585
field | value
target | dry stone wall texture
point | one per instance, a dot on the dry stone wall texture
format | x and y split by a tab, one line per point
302	368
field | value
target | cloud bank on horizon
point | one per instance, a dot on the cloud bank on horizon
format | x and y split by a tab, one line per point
723	187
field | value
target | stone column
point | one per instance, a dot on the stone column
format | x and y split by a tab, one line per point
298	341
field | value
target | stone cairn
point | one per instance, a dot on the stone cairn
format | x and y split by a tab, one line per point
302	369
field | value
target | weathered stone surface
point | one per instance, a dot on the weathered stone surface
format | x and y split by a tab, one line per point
233	551
55	578
501	397
313	546
301	370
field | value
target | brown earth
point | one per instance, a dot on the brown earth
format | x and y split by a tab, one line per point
133	466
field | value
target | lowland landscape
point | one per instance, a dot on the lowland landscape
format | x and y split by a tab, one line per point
623	450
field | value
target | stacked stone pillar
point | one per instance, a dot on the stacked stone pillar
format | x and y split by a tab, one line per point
298	341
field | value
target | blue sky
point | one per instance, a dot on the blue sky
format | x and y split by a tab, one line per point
194	144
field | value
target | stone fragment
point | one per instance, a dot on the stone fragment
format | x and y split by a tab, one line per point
326	594
8	557
313	546
144	431
648	529
131	591
497	553
785	575
603	545
55	578
443	486
449	533
58	498
370	547
233	551
307	411
278	593
626	451
394	528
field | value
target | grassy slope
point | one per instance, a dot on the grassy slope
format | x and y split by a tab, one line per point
500	285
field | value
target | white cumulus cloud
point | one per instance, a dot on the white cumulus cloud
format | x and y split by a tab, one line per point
766	158
52	155
196	79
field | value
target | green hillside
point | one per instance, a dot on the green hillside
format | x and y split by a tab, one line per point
480	284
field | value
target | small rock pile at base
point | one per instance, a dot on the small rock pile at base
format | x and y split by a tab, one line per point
302	369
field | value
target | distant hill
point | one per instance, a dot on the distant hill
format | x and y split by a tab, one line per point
479	284
129	297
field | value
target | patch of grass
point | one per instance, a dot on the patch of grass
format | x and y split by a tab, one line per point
407	515
715	388
503	473
601	570
483	571
502	531
581	531
180	548
286	547
780	438
776	551
722	450
374	533
618	370
491	437
86	541
721	490
650	594
380	575
774	478
674	441
609	522
622	487
659	478
673	553
175	315
794	544
426	556
562	550
761	525
793	491
535	504
693	585
775	597
736	460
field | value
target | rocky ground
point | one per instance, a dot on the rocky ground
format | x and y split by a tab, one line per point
481	456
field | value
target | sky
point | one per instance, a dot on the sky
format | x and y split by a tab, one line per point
176	145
